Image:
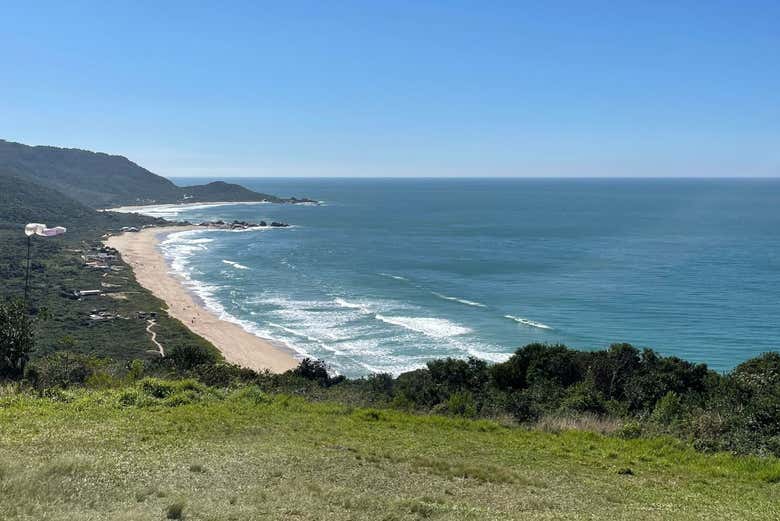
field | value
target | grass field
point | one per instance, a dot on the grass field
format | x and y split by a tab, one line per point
157	451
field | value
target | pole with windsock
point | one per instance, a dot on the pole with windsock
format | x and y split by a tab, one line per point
43	231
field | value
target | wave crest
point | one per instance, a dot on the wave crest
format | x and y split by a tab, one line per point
235	264
526	322
460	300
432	327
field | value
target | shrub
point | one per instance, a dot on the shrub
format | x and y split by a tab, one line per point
381	384
462	404
417	389
17	338
135	370
584	397
253	394
317	371
187	356
169	393
156	388
611	370
129	397
759	373
223	375
537	363
668	410
630	430
451	375
61	369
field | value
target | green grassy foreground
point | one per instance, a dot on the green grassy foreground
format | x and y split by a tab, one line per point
148	451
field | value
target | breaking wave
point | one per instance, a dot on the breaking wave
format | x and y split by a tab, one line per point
526	322
460	300
235	264
432	327
396	277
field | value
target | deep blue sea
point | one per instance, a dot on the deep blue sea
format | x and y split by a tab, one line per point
389	273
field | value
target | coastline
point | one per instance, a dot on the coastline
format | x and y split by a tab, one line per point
140	251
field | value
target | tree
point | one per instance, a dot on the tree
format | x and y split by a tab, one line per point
17	338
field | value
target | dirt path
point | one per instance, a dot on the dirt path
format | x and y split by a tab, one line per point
154	336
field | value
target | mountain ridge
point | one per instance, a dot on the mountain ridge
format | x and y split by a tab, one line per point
100	180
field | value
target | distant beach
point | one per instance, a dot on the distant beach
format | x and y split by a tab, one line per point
140	251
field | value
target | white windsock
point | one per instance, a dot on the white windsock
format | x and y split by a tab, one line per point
51	232
42	230
32	228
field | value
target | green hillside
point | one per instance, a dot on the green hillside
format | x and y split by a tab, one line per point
222	191
22	201
94	179
57	270
100	180
160	450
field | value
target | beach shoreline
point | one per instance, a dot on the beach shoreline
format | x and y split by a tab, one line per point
140	250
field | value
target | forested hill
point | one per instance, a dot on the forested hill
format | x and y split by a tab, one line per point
100	180
22	201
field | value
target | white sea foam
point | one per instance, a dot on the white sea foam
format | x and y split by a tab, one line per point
460	300
178	248
173	210
526	322
235	264
303	335
432	327
396	277
363	308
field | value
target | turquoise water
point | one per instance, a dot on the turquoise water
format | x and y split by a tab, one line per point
387	274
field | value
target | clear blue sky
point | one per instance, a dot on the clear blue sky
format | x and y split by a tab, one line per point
418	88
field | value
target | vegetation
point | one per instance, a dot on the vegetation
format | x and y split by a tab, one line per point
57	270
159	449
621	391
17	339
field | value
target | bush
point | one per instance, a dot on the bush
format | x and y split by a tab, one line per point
317	371
759	373
462	404
416	388
187	356
157	388
135	370
451	375
668	410
61	369
253	394
630	430
381	385
584	397
169	393
17	338
223	375
536	364
611	370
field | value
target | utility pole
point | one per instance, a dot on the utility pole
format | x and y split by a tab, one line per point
27	275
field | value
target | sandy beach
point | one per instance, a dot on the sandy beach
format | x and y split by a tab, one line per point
140	251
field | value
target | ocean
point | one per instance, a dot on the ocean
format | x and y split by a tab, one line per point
389	273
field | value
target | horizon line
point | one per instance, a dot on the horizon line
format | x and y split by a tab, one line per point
681	178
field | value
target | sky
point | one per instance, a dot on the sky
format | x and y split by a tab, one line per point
418	88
